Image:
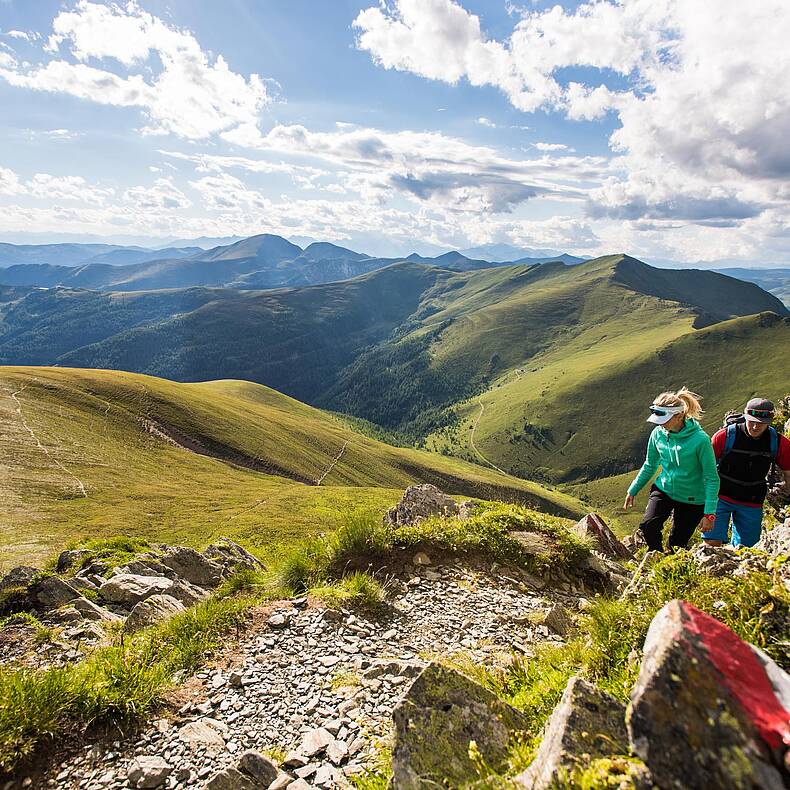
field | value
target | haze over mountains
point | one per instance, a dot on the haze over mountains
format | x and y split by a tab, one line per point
264	261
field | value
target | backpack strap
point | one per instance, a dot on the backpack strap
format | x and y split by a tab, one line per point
730	440
774	442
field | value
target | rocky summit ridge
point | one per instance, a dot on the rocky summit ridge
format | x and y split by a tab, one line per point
428	688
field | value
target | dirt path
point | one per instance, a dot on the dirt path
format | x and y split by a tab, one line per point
333	464
42	447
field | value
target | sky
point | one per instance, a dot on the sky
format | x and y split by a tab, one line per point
653	127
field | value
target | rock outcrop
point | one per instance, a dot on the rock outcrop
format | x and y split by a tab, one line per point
419	502
441	716
593	527
90	593
586	724
708	710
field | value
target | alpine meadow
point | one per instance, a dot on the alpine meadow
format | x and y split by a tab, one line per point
394	395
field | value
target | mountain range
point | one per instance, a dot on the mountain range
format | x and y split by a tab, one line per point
542	370
264	261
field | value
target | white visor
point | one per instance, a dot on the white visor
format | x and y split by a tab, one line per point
669	413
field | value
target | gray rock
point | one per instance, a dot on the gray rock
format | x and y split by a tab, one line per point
586	724
533	542
232	779
82	584
593	527
71	557
315	742
715	560
693	719
92	611
230	555
558	620
201	734
440	715
192	566
278	621
259	767
51	592
775	541
148	771
128	588
145	566
65	614
20	576
188	594
419	502
281	782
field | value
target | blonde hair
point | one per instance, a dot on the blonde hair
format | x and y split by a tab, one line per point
684	397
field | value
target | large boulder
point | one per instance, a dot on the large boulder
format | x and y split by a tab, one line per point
91	611
593	527
419	502
708	709
189	564
129	588
50	592
442	713
71	557
587	724
152	610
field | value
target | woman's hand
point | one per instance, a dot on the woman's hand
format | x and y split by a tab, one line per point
629	502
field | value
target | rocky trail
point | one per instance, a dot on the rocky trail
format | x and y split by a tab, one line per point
309	696
320	685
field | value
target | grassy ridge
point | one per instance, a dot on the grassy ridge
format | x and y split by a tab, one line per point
576	410
250	471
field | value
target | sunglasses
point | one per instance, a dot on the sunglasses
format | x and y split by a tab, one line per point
659	412
763	414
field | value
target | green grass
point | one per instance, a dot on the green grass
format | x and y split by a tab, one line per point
93	426
122	681
487	533
360	540
581	352
356	589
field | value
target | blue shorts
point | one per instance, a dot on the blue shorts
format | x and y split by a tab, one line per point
747	523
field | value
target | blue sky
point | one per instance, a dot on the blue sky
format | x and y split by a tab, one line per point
655	128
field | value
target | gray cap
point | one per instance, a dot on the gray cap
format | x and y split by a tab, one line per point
755	406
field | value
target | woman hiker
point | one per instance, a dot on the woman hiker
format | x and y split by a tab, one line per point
688	485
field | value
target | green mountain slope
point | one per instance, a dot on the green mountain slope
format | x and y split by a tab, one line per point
516	366
100	453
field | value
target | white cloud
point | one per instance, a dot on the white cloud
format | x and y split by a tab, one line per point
705	119
49	187
182	90
21	34
44	186
163	195
9	182
483	121
551	147
435	168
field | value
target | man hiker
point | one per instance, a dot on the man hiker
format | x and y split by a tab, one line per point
745	450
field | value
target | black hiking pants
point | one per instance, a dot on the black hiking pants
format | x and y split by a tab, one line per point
685	519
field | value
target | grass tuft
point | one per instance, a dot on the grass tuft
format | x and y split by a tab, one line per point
123	680
488	531
357	589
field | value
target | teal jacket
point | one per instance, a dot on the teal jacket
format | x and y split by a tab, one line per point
688	466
